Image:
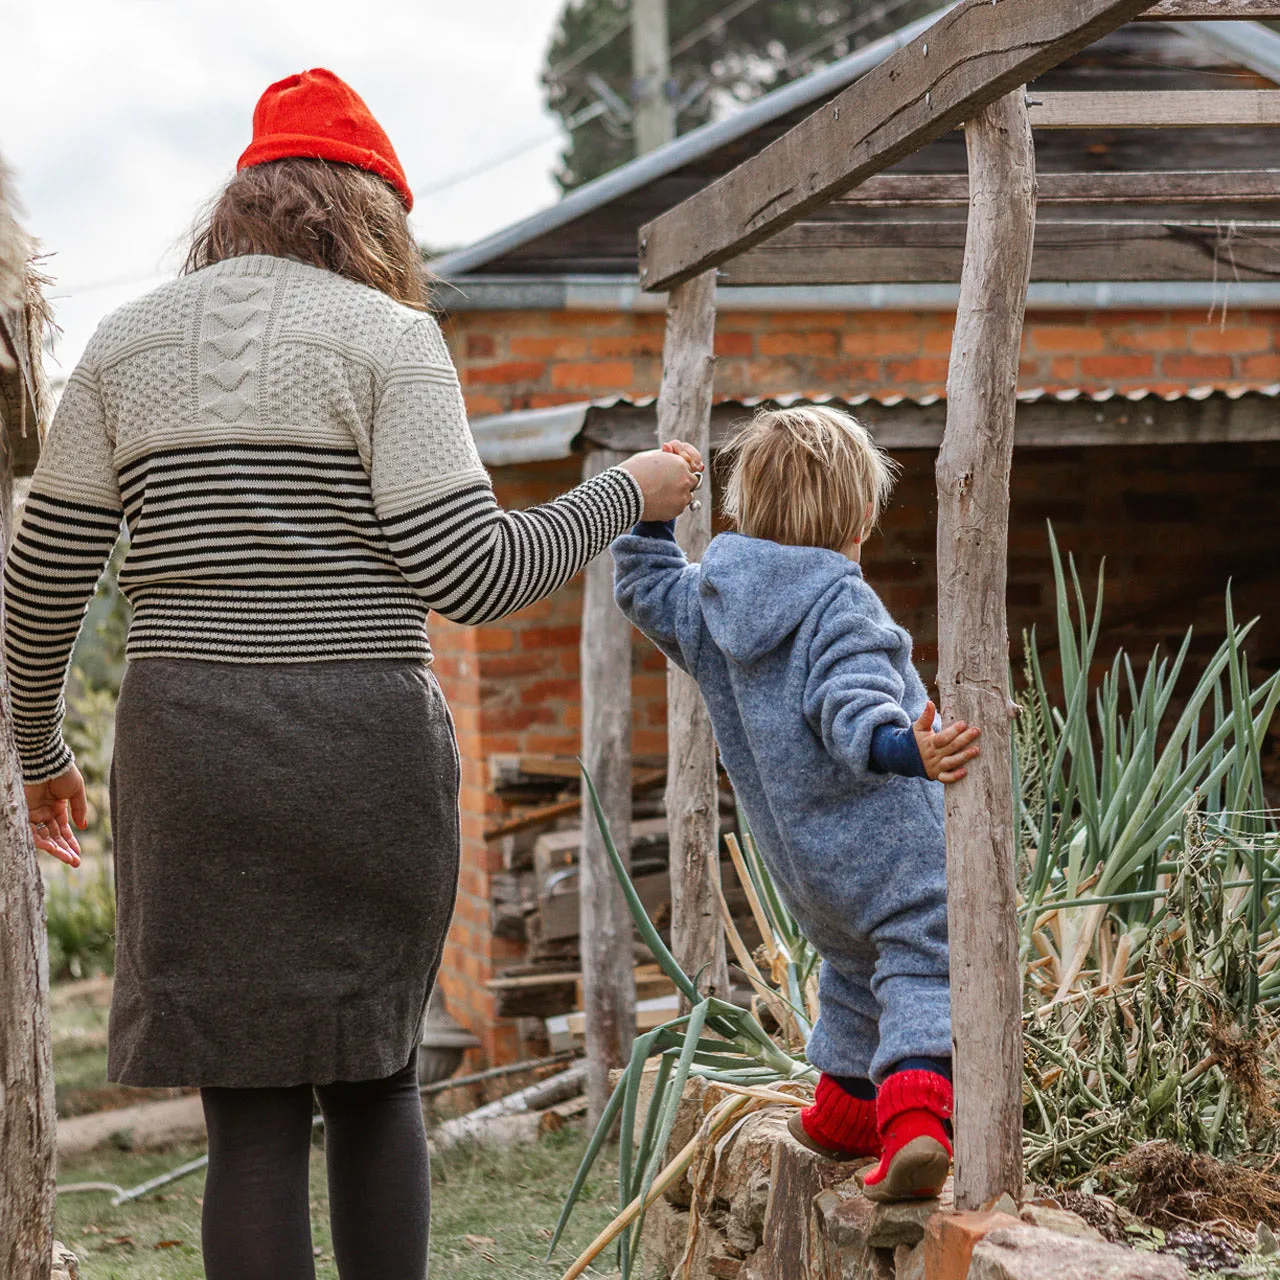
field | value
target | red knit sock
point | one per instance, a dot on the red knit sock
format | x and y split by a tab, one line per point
910	1105
840	1123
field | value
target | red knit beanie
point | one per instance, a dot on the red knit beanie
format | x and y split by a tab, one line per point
317	116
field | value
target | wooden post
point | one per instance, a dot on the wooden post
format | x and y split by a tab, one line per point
693	806
973	650
608	965
27	1116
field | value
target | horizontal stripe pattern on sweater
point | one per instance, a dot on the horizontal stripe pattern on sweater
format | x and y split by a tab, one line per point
268	554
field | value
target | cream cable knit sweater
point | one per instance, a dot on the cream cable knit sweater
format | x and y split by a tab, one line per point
291	456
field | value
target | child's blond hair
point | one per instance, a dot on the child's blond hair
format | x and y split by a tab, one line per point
808	477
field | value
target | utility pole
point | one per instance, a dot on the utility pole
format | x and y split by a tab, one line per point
655	113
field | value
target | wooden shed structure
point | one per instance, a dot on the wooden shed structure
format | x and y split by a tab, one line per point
559	351
800	211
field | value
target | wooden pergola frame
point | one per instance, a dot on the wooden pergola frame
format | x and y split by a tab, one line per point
806	210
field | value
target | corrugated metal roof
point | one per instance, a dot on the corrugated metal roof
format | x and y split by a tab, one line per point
543	435
685	149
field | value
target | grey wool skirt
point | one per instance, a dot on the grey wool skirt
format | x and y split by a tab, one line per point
286	843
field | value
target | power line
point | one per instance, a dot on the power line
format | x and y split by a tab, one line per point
575	121
713	23
594	45
878	14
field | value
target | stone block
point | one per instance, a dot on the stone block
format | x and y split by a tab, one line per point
840	1247
65	1264
1022	1252
950	1239
908	1262
1063	1221
799	1176
903	1223
665	1231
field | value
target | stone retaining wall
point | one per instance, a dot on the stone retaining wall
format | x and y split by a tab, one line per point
768	1209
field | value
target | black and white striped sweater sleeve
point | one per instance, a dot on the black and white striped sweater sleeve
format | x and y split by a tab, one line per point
68	527
468	559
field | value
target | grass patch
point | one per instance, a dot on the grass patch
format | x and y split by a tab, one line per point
492	1213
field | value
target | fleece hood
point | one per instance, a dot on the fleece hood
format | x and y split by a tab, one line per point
755	593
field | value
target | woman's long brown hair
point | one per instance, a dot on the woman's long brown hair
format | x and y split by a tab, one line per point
333	216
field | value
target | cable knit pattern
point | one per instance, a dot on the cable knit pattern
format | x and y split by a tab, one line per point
290	454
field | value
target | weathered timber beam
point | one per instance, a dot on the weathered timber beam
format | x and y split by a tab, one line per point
925	251
1175	186
1045	423
1155	109
971	56
693	802
604	922
1210	10
973	653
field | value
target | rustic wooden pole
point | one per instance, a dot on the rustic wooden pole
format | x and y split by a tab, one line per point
973	650
608	973
27	1116
693	808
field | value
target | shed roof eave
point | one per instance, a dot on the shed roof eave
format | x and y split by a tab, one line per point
623	293
683	150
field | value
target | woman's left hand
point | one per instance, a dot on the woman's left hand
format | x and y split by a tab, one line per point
52	807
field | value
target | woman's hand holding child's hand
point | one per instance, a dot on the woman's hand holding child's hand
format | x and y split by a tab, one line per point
669	477
945	752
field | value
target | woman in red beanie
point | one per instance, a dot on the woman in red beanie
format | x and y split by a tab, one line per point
283	433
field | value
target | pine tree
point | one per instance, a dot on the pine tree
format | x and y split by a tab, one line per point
723	53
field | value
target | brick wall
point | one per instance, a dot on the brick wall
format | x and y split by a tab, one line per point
1174	523
522	360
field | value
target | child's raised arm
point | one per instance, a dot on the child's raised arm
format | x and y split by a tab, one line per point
657	588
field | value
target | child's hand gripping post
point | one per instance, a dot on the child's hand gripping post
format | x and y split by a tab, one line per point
946	751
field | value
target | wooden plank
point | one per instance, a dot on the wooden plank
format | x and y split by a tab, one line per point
608	984
971	56
924	250
565	808
28	1120
973	653
1210	10
693	802
951	190
1172	109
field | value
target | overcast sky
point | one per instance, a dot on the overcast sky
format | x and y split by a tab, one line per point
122	117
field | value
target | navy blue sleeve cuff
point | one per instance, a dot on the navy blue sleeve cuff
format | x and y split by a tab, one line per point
894	750
663	529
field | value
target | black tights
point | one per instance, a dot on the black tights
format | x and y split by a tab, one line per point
257	1220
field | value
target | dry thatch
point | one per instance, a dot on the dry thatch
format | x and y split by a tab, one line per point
1170	1187
25	400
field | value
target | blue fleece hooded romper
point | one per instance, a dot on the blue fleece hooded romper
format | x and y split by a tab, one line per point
800	663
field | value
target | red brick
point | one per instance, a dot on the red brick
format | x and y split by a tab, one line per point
1264	368
1118	366
549	637
547	690
734	344
479	405
1154	338
928	370
1196	367
549	348
880	344
510	371
605	373
626	345
1051	339
481	346
496	639
937	342
950	1238
1233	340
820	343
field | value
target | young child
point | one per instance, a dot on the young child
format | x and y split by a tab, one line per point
837	758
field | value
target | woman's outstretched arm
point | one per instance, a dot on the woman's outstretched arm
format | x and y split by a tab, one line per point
467	558
69	525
